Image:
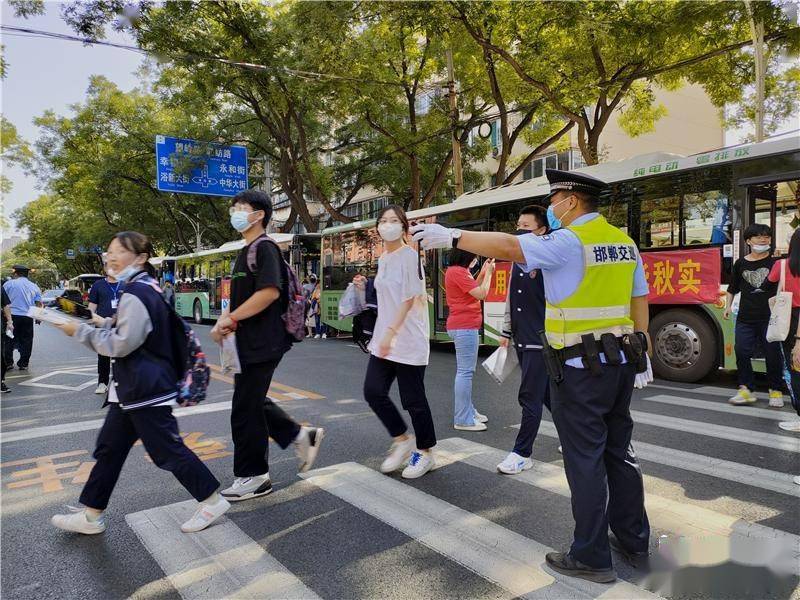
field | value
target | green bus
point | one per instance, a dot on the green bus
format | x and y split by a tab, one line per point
686	214
202	279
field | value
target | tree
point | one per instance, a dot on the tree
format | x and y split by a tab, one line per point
13	150
622	50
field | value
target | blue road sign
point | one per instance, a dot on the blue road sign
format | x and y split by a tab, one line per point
193	167
70	253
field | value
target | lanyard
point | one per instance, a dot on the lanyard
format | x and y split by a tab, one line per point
114	290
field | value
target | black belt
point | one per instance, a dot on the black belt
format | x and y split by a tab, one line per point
579	350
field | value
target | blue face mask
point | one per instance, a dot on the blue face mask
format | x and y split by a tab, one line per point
240	221
127	273
552	220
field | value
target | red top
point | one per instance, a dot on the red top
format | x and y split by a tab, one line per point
792	282
465	310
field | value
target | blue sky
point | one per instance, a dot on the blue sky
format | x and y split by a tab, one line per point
51	74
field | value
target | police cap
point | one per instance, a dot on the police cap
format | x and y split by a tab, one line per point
21	269
573	182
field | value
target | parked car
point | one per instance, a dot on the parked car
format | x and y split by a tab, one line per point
50	298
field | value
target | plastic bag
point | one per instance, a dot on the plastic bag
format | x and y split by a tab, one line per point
501	364
229	356
352	301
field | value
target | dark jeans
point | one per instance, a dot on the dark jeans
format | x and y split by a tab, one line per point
158	430
255	418
790	376
103	368
749	337
23	341
534	392
319	326
381	374
593	419
4	341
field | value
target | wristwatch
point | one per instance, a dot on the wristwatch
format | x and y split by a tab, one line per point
455	235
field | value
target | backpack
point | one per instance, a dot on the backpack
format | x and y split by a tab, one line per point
364	322
294	316
190	360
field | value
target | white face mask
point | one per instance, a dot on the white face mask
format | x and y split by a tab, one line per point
759	248
390	231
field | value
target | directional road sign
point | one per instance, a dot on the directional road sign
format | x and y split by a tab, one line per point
192	167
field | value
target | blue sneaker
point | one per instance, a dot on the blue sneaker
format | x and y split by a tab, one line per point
420	463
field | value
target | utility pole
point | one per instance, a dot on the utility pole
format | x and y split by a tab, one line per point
757	31
451	85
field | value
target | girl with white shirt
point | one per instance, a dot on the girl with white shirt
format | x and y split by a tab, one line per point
400	349
142	392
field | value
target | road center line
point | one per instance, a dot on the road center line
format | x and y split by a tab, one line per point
219	562
503	557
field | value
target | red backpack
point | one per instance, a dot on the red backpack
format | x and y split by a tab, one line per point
294	317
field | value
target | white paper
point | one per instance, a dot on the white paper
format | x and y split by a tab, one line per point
229	356
500	364
48	316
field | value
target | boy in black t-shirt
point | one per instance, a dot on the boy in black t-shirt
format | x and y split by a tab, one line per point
258	300
749	278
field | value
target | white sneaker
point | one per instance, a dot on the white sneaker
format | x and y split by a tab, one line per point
316	337
78	522
205	515
419	464
324	336
399	453
775	399
481	418
306	446
101	388
743	396
515	464
476	426
244	488
793	426
560	451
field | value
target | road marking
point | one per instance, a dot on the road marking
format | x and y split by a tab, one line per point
773	414
722	432
277	391
35	382
775	481
676	517
219	562
708	390
503	557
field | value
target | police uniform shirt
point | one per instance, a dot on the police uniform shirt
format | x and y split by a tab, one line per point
23	293
559	255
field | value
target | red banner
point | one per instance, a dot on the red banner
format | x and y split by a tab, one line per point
498	290
683	276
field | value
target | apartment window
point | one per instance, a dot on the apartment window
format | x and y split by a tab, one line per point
538	167
527	172
551	162
563	161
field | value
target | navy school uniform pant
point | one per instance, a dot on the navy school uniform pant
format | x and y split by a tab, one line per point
157	428
255	418
749	337
592	416
534	392
381	373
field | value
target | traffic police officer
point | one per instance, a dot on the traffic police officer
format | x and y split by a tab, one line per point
596	298
23	294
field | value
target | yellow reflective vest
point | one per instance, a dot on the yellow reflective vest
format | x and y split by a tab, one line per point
602	302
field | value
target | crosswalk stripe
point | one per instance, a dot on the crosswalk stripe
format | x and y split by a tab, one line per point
707	465
500	556
708	390
723	432
219	562
772	414
676	517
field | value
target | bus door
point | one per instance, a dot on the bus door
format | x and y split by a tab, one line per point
439	297
773	201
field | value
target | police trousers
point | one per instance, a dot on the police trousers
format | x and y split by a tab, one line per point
23	341
592	416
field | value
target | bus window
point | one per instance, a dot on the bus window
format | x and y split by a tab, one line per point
787	217
706	218
616	212
659	222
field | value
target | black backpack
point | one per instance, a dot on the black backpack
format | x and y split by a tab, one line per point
364	322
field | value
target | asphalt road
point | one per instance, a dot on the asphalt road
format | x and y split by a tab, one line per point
716	476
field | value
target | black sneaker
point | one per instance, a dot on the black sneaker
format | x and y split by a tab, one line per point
22	368
10	367
634	559
4	388
565	564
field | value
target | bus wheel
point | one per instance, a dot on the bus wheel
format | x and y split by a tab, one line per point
197	312
684	345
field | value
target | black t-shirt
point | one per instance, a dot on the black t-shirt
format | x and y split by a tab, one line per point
262	337
5	302
750	278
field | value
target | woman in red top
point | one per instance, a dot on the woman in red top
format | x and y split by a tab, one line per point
464	294
791	346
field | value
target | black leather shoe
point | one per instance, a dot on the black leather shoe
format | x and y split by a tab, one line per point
565	564
635	559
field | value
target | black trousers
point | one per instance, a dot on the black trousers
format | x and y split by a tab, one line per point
749	337
255	418
23	341
790	376
534	392
4	341
103	368
381	374
592	416
158	430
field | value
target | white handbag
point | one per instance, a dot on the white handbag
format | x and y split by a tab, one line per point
500	364
780	311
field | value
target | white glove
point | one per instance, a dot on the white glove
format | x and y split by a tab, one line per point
432	236
642	379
